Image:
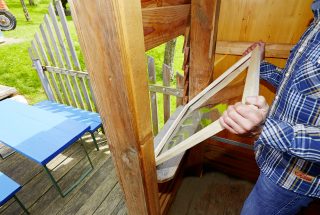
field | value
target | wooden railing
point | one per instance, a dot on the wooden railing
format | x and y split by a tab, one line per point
55	58
166	90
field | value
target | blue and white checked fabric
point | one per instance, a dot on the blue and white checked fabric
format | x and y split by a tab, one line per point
288	149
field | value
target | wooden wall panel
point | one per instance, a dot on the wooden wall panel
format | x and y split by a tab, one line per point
162	24
272	21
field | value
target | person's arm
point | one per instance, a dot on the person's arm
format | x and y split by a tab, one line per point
271	73
297	139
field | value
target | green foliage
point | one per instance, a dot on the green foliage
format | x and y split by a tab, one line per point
158	55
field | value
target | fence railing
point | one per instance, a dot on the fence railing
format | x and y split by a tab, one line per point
55	58
166	90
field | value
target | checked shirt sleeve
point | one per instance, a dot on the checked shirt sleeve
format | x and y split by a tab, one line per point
270	73
299	140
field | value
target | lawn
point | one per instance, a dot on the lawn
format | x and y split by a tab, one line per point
15	64
16	67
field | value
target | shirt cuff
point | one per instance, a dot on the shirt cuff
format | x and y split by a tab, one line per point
277	134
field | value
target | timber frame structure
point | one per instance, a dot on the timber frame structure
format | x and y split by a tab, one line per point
114	35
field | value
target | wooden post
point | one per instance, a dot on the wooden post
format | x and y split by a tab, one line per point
111	37
203	35
166	98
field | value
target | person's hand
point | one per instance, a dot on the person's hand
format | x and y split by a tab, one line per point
253	46
245	118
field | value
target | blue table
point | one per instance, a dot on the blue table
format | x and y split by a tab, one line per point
9	188
91	119
38	134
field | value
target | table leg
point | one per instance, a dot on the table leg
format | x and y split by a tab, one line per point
68	190
94	140
21	204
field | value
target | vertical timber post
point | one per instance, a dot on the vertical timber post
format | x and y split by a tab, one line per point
203	36
111	38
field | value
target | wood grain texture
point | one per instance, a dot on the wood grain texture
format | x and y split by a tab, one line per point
179	86
251	87
271	21
159	3
203	34
279	24
201	67
175	2
272	50
166	98
163	24
114	54
153	96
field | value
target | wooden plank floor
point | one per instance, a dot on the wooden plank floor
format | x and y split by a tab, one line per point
214	193
99	193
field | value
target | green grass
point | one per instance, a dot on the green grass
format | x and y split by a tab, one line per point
15	64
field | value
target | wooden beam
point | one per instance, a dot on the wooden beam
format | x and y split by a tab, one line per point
149	3
113	49
203	35
237	48
159	3
175	2
204	19
253	75
162	24
166	90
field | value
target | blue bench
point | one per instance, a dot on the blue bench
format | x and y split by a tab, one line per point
8	190
40	135
91	119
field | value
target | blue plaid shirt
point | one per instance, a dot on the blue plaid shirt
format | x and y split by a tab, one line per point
288	149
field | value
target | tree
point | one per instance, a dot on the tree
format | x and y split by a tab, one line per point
32	3
25	10
169	55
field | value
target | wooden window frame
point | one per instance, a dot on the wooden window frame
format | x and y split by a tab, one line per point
250	61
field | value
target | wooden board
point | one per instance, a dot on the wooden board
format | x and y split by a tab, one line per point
272	50
114	54
159	3
163	24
